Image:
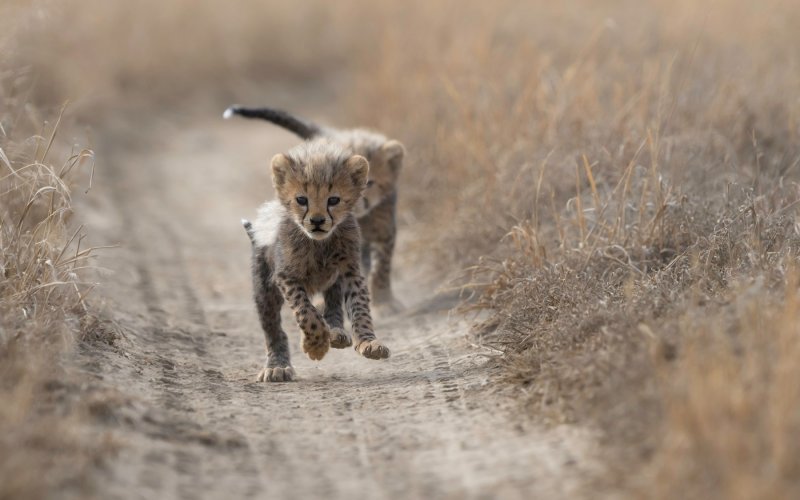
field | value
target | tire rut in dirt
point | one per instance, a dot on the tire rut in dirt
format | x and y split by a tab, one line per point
185	378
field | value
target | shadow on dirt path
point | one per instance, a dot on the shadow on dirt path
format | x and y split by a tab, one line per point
191	421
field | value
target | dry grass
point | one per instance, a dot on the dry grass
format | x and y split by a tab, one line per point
42	314
618	178
731	402
43	311
620	181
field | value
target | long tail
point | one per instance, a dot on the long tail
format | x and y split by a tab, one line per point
304	129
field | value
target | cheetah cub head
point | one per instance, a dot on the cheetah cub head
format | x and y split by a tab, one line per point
385	164
319	183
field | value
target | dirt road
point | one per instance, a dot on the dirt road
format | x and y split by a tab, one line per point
179	396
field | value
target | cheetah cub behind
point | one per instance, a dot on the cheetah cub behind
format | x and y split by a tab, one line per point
308	241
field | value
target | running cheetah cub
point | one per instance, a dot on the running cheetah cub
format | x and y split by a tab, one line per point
308	241
376	210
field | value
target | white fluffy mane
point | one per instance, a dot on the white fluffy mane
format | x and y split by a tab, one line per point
267	223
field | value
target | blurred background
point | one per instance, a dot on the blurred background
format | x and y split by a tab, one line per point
612	183
477	90
481	94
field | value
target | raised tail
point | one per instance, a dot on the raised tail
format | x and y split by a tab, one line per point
304	129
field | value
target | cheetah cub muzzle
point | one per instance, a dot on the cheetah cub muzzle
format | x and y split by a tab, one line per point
306	242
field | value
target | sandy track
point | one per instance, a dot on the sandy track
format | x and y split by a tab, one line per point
183	405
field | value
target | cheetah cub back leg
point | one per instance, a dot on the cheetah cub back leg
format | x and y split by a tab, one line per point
384	303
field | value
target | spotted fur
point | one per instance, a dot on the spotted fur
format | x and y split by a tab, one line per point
376	211
304	243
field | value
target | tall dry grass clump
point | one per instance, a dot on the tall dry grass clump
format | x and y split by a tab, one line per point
42	256
621	183
43	307
731	401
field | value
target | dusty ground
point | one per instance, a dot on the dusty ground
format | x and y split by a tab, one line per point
179	396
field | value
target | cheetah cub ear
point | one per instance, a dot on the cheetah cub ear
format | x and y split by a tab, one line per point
393	153
358	168
281	168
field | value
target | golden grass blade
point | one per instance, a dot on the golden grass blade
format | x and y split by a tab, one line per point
53	133
592	184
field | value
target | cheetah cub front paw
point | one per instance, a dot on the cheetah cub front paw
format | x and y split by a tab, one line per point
316	344
372	349
340	338
276	374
